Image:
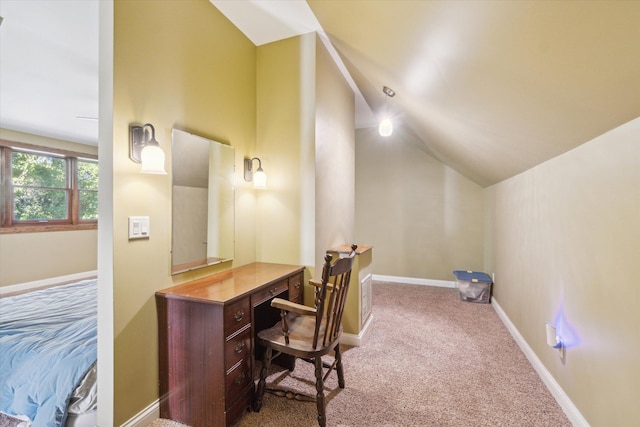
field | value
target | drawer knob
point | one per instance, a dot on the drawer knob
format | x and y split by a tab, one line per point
238	349
239	315
272	291
240	378
297	285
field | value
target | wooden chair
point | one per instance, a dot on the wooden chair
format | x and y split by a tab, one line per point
309	333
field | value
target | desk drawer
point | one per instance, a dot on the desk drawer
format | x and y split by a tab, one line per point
296	288
237	347
270	292
237	378
236	316
235	411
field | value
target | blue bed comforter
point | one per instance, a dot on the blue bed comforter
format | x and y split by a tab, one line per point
48	341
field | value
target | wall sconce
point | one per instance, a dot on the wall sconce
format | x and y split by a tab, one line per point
386	127
259	178
144	149
553	340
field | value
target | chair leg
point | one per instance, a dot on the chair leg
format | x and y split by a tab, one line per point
322	418
266	361
339	367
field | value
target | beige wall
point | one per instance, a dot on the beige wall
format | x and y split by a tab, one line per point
12	135
27	257
423	219
335	157
305	138
183	66
284	139
564	244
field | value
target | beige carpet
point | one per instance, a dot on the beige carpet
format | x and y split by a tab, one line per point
428	359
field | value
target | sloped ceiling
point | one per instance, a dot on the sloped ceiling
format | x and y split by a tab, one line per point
491	88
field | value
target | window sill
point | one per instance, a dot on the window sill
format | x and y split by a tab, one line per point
46	228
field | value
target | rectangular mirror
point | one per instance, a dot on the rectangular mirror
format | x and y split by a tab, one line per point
202	231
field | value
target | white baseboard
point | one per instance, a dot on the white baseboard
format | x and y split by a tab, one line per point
353	339
145	417
415	281
556	391
20	287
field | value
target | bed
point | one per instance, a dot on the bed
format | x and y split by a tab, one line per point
48	353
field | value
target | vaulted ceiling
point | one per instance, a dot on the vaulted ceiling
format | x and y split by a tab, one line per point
490	88
493	88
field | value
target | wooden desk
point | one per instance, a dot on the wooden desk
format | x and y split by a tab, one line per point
206	331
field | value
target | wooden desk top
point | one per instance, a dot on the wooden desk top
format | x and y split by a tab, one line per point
229	285
345	249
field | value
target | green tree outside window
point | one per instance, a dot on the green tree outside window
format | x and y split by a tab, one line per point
40	190
88	189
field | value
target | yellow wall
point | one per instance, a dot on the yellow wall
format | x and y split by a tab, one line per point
284	137
423	219
564	244
200	74
335	157
27	257
305	138
175	65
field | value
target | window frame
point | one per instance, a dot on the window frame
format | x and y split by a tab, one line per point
73	221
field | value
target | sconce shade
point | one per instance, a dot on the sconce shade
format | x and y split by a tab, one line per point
152	160
259	178
144	149
386	127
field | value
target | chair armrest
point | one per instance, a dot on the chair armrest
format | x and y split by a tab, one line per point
292	307
318	284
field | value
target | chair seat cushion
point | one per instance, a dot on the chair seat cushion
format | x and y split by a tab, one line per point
301	329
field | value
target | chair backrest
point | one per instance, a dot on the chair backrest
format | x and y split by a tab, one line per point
331	297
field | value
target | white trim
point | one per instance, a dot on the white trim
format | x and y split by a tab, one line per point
557	392
415	281
47	282
145	417
353	339
106	231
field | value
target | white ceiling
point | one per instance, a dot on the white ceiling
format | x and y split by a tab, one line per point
268	21
49	68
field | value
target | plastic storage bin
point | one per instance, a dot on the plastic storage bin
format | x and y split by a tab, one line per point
473	286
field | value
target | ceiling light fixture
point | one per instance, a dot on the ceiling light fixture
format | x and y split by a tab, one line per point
386	127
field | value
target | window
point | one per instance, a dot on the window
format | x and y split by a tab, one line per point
87	174
47	189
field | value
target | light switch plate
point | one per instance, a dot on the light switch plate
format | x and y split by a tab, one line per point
138	227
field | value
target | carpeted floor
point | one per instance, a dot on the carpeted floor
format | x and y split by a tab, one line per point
427	359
